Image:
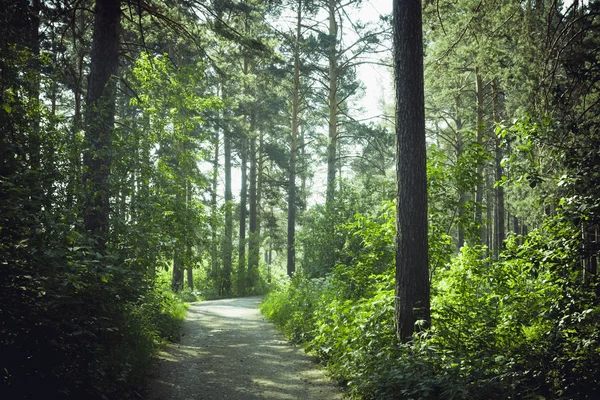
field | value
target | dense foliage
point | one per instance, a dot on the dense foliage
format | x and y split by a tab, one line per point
153	152
525	325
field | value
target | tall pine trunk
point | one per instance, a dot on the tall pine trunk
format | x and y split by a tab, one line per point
462	193
480	181
243	213
333	105
291	220
214	261
99	120
253	243
412	261
499	227
227	247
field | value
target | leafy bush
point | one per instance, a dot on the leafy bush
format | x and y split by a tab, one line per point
76	325
521	327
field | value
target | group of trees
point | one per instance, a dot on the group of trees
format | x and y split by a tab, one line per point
191	137
504	302
126	128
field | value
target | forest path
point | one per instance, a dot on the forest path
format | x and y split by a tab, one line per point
228	351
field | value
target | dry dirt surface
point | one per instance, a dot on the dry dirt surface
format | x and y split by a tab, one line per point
229	352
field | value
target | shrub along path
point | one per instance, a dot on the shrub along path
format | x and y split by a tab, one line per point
228	351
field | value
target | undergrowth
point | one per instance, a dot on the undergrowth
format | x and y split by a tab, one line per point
67	334
524	327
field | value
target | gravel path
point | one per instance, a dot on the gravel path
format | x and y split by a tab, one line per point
228	351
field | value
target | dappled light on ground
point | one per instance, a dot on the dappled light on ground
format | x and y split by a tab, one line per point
228	351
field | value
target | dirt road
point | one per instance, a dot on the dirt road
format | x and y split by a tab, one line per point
229	351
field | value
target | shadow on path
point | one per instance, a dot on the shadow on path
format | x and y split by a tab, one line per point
228	351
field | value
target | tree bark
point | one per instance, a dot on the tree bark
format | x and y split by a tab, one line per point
462	194
214	262
228	236
480	133
291	220
412	261
253	210
243	214
333	105
99	120
177	277
499	227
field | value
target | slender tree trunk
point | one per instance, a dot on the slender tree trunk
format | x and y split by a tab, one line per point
177	277
228	234
75	147
253	210
412	261
499	228
291	221
303	169
99	120
33	78
480	133
144	191
214	262
188	246
333	105
243	215
462	193
489	210
254	254
190	272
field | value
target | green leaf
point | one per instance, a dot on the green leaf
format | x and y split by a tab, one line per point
7	107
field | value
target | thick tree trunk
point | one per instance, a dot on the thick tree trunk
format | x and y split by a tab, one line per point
291	220
99	120
412	261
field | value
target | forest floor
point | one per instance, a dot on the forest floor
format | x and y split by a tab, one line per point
228	351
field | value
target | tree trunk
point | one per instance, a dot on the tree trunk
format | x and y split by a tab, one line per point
243	209
190	270
99	120
303	169
412	261
75	148
480	133
228	237
214	262
499	228
177	277
188	246
333	105
253	211
291	220
462	194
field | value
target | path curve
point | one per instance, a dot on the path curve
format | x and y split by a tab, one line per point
229	352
